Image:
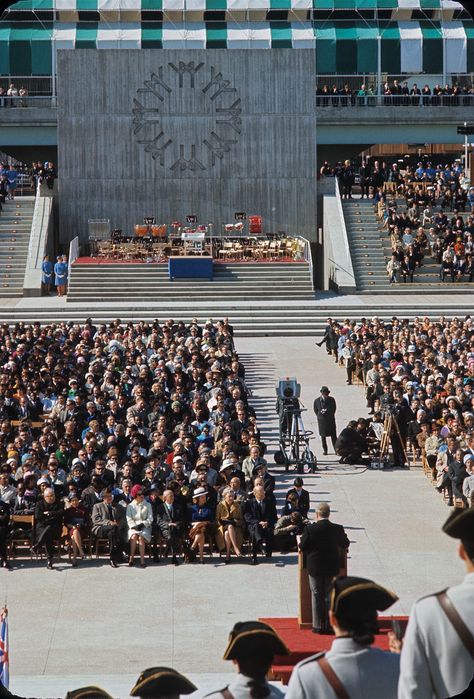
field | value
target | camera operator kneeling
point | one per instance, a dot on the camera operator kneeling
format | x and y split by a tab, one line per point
351	444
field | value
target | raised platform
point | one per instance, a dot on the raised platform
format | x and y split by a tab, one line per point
303	642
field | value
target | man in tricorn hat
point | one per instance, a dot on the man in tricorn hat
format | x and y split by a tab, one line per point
325	410
162	683
88	693
252	647
438	651
351	668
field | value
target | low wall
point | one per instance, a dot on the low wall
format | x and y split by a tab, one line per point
338	270
41	243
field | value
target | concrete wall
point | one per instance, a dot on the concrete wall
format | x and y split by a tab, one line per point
338	270
167	133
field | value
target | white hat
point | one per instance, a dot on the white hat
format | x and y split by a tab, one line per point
411	348
198	492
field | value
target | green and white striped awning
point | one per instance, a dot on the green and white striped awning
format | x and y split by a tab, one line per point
346	48
406	47
137	10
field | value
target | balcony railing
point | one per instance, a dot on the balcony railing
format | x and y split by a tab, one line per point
8	102
355	100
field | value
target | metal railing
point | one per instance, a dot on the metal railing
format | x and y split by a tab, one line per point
36	85
26	101
356	100
375	81
307	255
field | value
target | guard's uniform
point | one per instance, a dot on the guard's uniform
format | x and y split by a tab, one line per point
239	689
435	662
351	669
365	672
256	640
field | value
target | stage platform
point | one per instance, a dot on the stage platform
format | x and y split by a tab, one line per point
303	642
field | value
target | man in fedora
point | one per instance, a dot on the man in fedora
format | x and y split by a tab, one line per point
325	410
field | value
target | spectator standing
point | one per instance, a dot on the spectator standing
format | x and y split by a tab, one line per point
325	410
12	181
60	278
437	656
322	543
5	512
46	274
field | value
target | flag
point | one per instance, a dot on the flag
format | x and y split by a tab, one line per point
4	661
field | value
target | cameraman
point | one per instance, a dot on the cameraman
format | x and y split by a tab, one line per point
396	406
350	445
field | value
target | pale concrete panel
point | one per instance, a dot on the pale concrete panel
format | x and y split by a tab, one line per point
171	132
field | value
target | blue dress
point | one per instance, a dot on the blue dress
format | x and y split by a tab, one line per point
47	269
60	272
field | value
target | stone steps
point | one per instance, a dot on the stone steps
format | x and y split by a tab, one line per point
15	228
147	282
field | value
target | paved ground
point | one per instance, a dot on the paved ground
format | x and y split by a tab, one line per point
99	625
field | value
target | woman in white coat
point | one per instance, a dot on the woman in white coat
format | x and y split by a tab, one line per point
139	520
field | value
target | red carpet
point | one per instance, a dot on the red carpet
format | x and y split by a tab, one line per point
113	261
303	643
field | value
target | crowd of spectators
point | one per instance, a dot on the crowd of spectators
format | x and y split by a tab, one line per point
421	225
412	203
394	93
141	434
421	372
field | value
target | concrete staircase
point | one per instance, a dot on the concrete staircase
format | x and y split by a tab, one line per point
250	319
15	228
149	282
370	251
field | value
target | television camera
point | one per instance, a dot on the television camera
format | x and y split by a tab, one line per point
293	437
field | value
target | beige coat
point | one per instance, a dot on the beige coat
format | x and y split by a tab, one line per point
223	511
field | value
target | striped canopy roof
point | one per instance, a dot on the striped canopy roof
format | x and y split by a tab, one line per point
345	48
137	10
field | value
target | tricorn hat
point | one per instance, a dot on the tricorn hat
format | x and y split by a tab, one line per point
250	638
324	389
88	693
161	682
460	524
359	595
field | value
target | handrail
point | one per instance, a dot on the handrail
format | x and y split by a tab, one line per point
374	100
28	101
308	256
341	214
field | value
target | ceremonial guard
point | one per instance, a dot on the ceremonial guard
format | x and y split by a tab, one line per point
351	669
438	651
252	647
162	682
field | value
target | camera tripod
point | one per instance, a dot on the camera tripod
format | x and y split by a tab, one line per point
294	442
390	425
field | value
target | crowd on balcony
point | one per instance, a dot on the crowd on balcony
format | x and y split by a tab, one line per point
138	434
422	374
394	93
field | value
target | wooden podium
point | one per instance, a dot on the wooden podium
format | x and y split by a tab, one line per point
305	614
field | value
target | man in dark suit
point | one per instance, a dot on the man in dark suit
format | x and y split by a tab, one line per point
106	524
325	411
322	543
170	519
49	513
261	516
